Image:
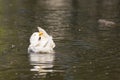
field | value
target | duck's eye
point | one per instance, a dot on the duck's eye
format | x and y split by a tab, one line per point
39	38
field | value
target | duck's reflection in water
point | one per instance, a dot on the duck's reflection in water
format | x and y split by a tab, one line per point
43	63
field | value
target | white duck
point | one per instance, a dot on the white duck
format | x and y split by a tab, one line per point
41	42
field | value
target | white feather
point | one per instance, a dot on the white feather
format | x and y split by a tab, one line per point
42	43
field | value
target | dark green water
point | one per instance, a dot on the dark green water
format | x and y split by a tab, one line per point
86	33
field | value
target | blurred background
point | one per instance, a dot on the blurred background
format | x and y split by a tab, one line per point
86	33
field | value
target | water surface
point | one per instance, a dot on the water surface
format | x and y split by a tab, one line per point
86	49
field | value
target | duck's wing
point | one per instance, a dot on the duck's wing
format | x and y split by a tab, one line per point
52	44
49	43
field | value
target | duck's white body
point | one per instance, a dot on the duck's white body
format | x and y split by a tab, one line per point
41	42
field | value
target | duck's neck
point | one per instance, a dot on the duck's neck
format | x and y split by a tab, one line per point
34	43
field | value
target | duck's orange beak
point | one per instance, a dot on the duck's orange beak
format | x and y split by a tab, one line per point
40	33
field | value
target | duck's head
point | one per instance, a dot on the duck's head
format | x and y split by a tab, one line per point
35	37
42	32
